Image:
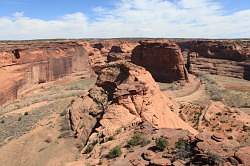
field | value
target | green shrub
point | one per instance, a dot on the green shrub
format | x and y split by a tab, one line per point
161	143
214	159
110	139
89	149
115	152
181	144
138	139
183	149
197	116
63	113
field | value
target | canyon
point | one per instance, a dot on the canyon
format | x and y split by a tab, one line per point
23	64
163	59
227	58
125	102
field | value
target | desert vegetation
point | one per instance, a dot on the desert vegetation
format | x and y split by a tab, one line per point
16	120
115	152
138	139
218	91
49	94
161	144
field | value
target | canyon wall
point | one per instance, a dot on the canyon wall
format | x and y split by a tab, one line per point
163	59
23	64
26	63
227	58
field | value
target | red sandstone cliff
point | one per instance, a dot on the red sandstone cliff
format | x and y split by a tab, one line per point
228	58
163	59
25	63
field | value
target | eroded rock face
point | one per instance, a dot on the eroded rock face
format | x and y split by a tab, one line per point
224	122
26	63
230	50
102	52
163	59
96	55
86	111
227	58
132	97
115	45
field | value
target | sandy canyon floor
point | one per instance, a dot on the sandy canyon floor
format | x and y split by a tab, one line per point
33	128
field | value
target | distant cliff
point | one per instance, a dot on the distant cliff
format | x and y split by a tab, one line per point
23	64
225	57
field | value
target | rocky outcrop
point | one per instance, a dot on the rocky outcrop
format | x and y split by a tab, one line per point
105	51
181	148
163	59
97	57
127	95
32	62
114	45
85	113
227	58
120	52
217	118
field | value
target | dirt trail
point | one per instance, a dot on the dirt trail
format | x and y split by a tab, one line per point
196	95
192	91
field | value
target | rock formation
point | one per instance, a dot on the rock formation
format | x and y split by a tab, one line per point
163	59
114	45
26	63
217	118
104	51
227	58
124	96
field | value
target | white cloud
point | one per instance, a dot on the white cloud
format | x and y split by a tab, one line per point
20	27
136	18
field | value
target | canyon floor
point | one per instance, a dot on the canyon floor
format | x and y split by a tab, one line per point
34	131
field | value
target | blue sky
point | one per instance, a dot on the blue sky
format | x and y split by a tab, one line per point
50	9
32	19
